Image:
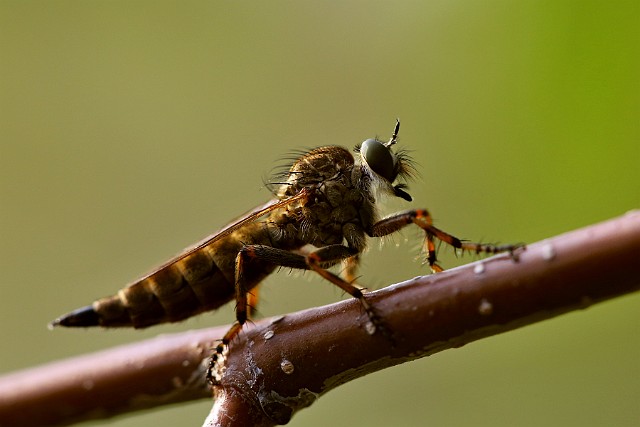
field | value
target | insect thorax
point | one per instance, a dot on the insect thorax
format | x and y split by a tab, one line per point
340	204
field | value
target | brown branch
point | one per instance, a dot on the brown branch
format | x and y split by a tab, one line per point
283	365
159	371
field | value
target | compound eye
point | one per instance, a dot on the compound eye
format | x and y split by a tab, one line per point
379	158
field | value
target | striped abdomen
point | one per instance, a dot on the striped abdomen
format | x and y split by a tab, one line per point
190	284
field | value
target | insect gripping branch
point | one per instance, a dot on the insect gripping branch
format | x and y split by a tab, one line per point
282	365
325	209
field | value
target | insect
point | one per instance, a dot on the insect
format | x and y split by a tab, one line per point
324	209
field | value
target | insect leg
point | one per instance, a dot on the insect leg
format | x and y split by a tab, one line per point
422	219
252	301
282	258
316	260
244	283
351	268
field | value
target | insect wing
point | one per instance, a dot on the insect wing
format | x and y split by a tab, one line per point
251	216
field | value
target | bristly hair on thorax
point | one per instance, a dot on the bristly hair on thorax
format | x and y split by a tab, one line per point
281	173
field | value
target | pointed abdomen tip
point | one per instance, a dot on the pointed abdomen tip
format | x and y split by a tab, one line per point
82	317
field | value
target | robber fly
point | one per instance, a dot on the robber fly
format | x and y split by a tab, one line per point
324	210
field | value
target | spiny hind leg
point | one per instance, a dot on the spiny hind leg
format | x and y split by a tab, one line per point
422	219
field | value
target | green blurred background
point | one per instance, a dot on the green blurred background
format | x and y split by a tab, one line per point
130	130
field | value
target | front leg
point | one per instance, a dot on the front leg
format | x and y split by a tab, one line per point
422	219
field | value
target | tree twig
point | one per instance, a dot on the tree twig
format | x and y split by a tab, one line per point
284	364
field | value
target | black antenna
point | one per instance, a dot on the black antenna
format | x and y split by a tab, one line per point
394	137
